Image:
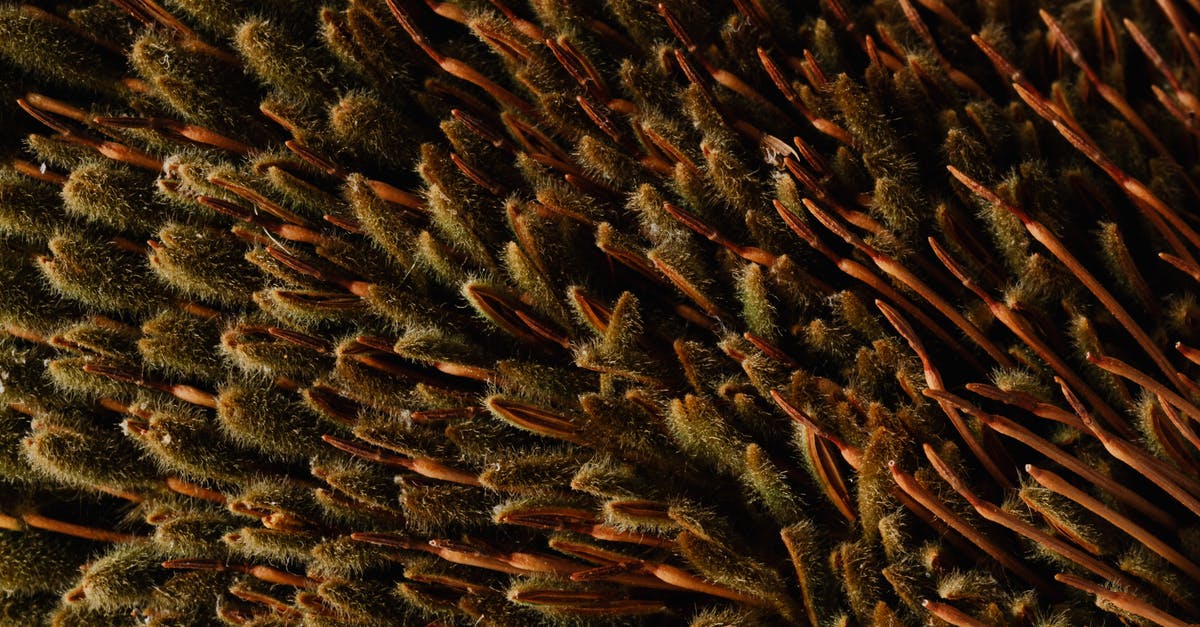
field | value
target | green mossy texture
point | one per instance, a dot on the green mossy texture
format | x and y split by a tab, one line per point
379	312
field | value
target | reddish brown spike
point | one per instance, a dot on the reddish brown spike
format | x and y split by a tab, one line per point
1183	265
1170	439
337	277
1012	429
669	150
1151	206
441	415
683	285
934	380
481	129
477	176
600	118
1124	370
830	476
179	131
1003	518
1186	118
676	27
570	64
312	157
939	8
244	592
537	419
693	75
1182	28
783	85
349	225
260	201
929	500
951	615
577	521
186	393
422	466
1122	600
812	70
513	317
859	272
771	350
1023	329
852	454
1058	485
41	173
1153	56
1168	479
897	271
749	253
266	573
503	42
1110	95
456	67
596	80
195	491
601	573
960	79
1044	236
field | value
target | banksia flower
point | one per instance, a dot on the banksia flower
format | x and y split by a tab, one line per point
499	313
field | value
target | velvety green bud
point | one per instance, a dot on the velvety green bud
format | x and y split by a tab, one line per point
189	596
531	473
125	576
67	449
275	545
534	285
196	84
617	351
388	227
367	40
771	485
92	270
183	343
367	126
367	603
301	195
310	308
58	153
758	310
203	262
262	496
72	375
45	45
99	337
453	205
82	615
15	609
370	484
439	508
192	534
114	195
35	561
700	430
347	558
190	442
274	352
29	209
269	420
724	565
28	302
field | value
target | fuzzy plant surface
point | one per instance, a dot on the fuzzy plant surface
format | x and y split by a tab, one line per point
573	312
